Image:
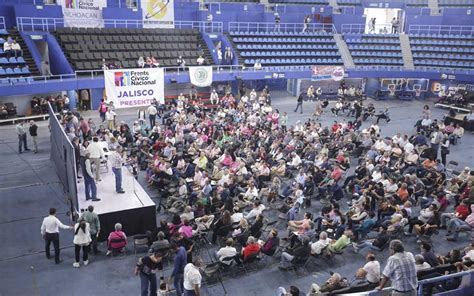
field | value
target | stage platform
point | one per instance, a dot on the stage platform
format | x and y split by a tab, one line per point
134	209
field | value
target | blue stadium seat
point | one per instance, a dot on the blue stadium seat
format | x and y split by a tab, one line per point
2	71
20	60
25	70
9	71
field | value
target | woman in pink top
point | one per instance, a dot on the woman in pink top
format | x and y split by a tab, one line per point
186	229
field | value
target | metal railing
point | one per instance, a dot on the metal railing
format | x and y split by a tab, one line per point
92	74
2	23
441	29
282	27
362	28
52	24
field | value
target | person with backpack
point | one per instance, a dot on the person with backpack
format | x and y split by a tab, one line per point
82	239
102	109
146	268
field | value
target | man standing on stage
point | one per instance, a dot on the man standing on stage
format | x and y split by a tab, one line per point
96	155
116	161
50	233
89	183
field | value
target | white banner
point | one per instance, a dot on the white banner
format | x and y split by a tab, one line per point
83	13
201	76
158	13
134	87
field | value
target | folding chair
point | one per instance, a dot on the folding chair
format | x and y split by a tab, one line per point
140	241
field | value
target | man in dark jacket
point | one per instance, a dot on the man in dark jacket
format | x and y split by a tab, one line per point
300	103
34	135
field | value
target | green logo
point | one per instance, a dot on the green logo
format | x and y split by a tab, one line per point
200	75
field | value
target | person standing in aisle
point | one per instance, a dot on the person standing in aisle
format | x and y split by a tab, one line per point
21	132
102	109
116	161
300	103
50	233
94	226
152	111
34	135
146	268
89	183
192	278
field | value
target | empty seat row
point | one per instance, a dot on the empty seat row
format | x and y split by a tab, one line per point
442	42
378	61
288	53
286	46
444	36
294	61
374	40
442	49
443	56
376	53
15	80
125	31
14	71
283	40
448	63
276	33
12	60
374	47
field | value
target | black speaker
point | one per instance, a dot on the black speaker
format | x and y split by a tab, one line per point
172	80
238	77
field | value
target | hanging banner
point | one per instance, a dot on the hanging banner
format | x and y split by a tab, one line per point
134	87
201	76
335	73
158	13
83	13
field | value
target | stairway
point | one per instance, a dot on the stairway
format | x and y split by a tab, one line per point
406	52
344	51
335	6
26	52
205	50
234	48
433	4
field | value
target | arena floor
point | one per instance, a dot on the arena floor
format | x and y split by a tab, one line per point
29	186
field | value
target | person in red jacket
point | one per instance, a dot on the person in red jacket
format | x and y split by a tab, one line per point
251	248
461	212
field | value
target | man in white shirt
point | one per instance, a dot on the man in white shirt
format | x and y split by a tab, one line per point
227	251
110	117
89	183
192	278
214	97
50	233
96	154
318	246
257	209
371	270
200	60
152	111
116	162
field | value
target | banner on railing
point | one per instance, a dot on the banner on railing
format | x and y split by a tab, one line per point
83	13
335	73
134	87
201	76
158	13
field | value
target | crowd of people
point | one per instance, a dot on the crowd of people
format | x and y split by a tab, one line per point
226	173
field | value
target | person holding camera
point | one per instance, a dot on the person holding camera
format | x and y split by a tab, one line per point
146	268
